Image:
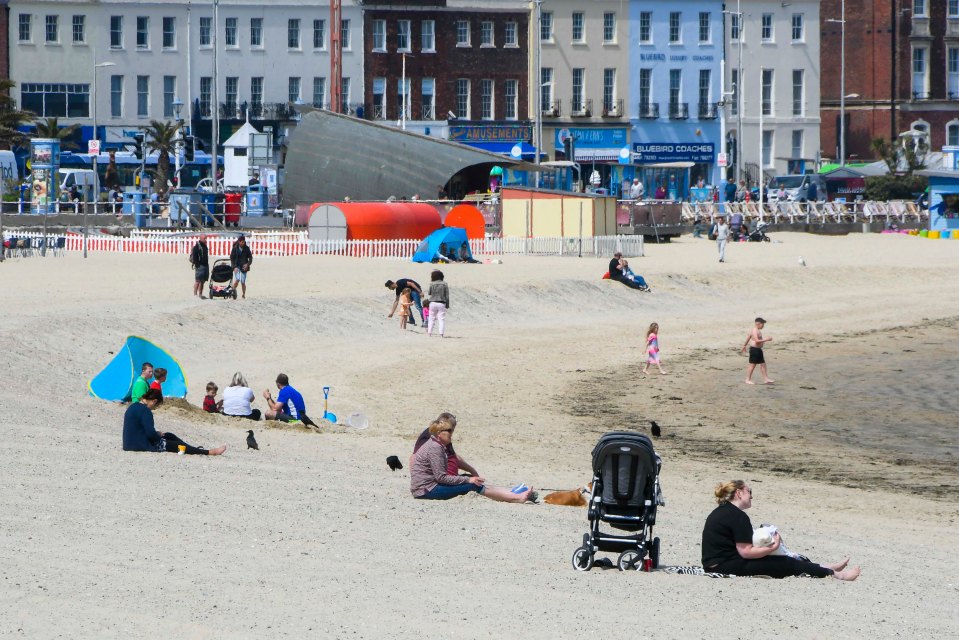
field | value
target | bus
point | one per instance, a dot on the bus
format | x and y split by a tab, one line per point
129	166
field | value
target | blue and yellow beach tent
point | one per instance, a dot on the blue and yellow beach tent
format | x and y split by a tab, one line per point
115	381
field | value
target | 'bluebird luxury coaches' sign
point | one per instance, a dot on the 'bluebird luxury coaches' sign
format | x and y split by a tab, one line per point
653	152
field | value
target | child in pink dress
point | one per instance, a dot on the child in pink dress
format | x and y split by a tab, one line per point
406	301
652	348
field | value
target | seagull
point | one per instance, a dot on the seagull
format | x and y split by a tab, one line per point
802	261
251	441
656	431
394	463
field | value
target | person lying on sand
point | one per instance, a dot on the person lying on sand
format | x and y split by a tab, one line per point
139	433
728	543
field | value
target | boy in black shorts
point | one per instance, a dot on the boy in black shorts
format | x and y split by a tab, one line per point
755	342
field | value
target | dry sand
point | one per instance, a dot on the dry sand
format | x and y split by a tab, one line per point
851	453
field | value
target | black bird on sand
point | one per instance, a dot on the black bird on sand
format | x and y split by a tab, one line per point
656	431
394	463
251	441
306	420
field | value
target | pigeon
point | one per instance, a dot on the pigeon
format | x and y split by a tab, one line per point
656	431
251	441
394	463
802	261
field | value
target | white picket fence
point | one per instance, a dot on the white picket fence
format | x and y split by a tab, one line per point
290	243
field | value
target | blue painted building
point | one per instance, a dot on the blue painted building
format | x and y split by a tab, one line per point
675	83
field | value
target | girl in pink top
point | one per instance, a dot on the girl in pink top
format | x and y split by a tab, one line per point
652	348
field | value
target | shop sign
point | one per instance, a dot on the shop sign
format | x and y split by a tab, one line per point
491	133
656	152
592	138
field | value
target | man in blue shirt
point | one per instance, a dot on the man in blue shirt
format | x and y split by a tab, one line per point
289	405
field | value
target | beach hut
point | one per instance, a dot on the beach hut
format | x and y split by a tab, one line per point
236	162
115	381
943	201
545	213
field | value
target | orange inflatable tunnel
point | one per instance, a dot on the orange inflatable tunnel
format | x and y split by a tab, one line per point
372	220
466	216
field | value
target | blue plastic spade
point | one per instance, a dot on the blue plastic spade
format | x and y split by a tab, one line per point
326	405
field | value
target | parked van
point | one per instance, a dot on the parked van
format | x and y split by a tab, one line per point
8	168
83	178
797	187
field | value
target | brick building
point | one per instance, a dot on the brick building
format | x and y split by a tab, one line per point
902	73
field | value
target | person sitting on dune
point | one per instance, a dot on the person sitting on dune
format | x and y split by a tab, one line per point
728	543
139	434
430	477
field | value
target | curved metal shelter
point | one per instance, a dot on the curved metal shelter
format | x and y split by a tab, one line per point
331	157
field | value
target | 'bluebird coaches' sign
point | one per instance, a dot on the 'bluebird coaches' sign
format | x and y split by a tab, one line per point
653	152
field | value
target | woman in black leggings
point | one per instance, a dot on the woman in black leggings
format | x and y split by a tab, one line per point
140	435
728	543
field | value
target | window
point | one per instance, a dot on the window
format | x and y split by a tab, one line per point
429	98
705	77
428	36
206	32
952	134
704	27
919	73
609	27
546	26
462	33
952	73
293	33
116	96
646	27
734	107
403	96
143	32
767	96
798	32
56	100
293	90
169	93
579	105
510	99
231	104
767	29
486	99
230	33
256	94
675	28
403	35
463	99
379	35
206	93
143	96
735	32
578	35
319	34
486	34
345	95
546	89
767	147
953	10
25	22
510	38
797	144
675	87
79	29
169	33
319	92
609	90
919	7
256	33
379	98
645	89
52	34
798	90
346	43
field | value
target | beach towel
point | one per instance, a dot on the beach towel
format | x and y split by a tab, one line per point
693	570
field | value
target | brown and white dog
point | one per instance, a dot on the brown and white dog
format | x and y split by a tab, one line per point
575	498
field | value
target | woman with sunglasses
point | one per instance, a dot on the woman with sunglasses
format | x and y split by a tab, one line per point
728	543
431	479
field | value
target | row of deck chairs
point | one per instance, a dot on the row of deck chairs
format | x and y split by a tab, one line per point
21	247
901	211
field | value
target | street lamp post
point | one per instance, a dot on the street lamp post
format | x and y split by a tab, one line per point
406	95
96	135
538	75
842	83
177	111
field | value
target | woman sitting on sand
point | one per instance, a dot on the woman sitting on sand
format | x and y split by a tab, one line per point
140	435
728	543
430	477
237	398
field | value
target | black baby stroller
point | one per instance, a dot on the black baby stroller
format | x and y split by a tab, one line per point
625	496
759	233
221	280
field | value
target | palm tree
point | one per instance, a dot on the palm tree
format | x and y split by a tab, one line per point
162	138
11	118
50	128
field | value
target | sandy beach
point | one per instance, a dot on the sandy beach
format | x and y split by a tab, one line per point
852	453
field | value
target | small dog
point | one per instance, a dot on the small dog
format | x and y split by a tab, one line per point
575	498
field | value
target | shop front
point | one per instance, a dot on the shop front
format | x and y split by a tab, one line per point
601	152
669	170
509	140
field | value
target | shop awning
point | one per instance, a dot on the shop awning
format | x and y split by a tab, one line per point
504	148
597	155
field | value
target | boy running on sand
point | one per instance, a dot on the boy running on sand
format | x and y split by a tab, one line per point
755	342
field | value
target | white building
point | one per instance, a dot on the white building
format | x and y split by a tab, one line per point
772	69
124	62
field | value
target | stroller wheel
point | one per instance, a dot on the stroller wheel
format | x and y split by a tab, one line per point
582	559
654	553
629	560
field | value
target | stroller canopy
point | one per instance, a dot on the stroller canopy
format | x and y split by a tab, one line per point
115	381
452	237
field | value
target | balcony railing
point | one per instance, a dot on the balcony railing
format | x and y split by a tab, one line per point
378	112
678	110
613	109
920	95
552	109
708	110
581	108
649	110
429	112
257	111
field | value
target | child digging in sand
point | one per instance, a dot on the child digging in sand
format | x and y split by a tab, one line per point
755	342
406	301
210	403
652	348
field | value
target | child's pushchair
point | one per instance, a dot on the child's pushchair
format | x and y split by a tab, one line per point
625	496
221	280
